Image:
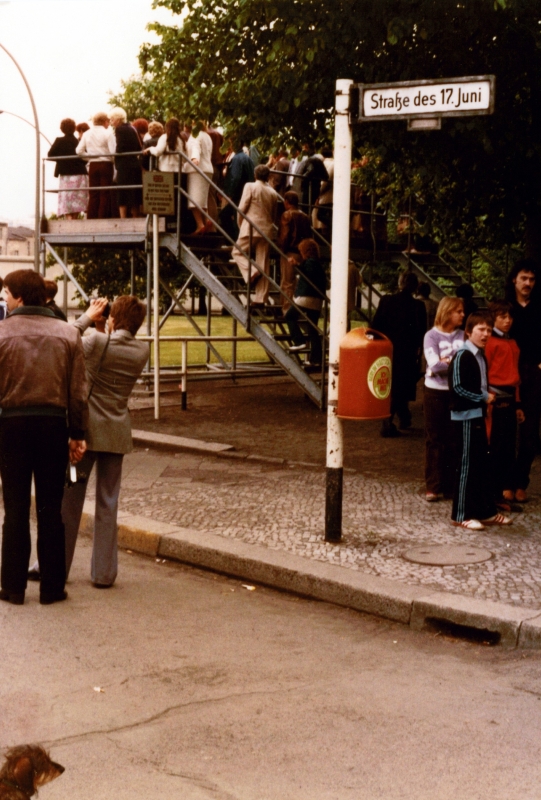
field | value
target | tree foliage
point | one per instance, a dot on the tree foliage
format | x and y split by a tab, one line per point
106	272
267	69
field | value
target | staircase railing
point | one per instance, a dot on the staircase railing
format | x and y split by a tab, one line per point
181	192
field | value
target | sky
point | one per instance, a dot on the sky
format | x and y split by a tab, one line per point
72	52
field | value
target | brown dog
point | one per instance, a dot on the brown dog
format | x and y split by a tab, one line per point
27	767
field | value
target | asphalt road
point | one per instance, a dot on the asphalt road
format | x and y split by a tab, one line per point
183	684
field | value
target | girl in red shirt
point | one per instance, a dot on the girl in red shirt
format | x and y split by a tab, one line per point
502	355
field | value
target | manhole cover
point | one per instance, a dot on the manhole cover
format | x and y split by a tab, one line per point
445	555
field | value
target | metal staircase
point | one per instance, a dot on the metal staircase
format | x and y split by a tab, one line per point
214	272
444	273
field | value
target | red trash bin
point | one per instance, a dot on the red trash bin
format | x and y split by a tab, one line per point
364	378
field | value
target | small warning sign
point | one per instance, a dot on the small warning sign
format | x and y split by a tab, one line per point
158	193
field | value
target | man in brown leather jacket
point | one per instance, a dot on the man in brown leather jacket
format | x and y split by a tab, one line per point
44	413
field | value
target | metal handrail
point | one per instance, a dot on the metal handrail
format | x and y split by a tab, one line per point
87	157
244	216
253	225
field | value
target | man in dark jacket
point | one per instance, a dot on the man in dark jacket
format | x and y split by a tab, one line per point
474	497
43	397
403	320
523	295
313	172
240	171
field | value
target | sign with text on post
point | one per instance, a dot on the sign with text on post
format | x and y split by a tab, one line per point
444	97
159	193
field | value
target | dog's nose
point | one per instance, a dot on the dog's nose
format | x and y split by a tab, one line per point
59	767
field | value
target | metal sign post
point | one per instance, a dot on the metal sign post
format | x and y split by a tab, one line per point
423	104
156	312
339	311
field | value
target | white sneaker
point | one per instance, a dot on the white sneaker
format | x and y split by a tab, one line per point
471	525
296	348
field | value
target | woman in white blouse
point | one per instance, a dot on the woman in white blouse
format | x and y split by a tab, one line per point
199	151
166	149
169	144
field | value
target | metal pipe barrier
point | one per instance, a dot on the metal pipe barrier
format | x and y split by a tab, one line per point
185	340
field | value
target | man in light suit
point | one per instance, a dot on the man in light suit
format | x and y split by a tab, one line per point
259	202
114	362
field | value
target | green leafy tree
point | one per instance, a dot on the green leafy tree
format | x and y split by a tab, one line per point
105	272
267	69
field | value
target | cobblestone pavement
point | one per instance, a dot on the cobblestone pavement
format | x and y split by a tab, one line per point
282	507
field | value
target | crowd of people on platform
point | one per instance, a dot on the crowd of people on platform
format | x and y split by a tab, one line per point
269	196
115	152
482	391
64	400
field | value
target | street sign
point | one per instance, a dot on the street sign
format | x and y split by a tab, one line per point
158	193
445	97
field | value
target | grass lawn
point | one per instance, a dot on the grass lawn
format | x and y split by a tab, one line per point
170	352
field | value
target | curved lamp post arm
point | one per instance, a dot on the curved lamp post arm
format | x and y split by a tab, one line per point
36	125
23	119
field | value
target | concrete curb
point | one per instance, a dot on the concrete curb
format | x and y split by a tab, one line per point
165	441
410	605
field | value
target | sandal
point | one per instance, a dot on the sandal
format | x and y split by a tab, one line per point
471	525
498	519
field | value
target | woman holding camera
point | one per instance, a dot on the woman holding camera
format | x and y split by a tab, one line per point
114	362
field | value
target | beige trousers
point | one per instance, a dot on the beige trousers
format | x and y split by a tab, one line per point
261	257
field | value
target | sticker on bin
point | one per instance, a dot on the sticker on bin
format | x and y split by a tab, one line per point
379	378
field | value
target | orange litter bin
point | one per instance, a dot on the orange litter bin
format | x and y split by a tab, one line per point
364	382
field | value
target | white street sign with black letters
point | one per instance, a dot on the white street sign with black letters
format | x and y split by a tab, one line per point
448	97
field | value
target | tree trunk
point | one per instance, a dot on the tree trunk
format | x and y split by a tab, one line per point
202	301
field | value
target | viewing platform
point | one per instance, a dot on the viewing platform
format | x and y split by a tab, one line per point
117	232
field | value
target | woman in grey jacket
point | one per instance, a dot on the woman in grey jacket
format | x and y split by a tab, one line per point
114	361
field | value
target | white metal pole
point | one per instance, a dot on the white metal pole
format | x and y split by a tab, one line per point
338	311
156	310
37	214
